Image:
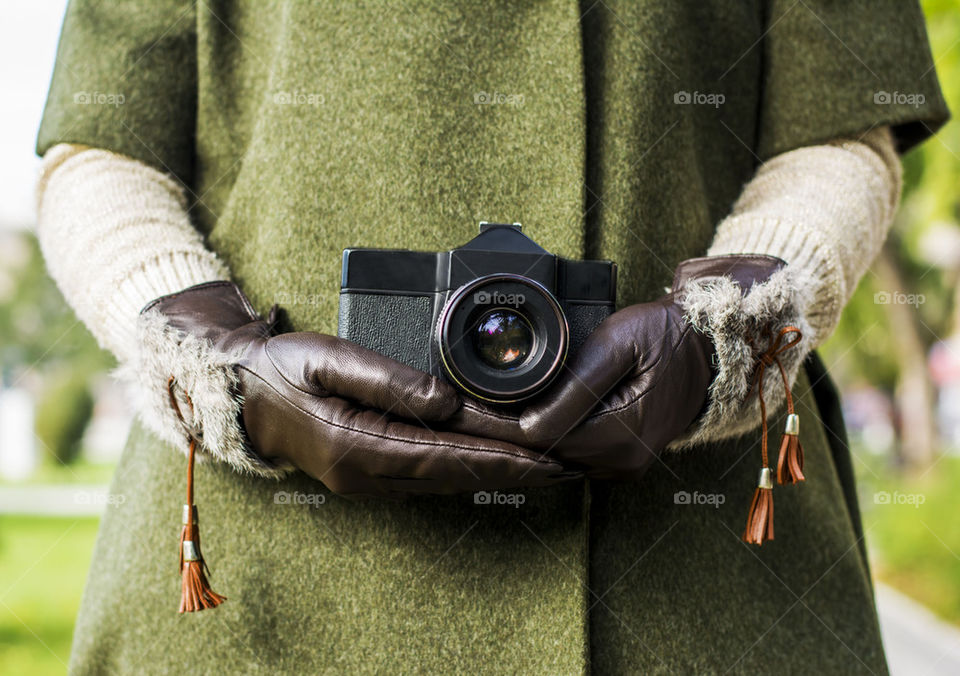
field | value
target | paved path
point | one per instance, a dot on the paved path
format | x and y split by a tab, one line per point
70	500
917	642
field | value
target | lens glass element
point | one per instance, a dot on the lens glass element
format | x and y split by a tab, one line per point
503	339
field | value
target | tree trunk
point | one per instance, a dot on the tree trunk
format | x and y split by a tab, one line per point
915	394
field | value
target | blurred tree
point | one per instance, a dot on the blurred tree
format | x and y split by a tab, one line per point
914	392
44	345
62	414
37	328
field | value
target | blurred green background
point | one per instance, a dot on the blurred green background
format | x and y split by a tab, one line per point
895	357
898	364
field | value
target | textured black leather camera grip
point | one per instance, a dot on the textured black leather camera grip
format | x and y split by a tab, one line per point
582	319
399	327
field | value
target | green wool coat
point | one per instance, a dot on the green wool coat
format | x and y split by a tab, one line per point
302	128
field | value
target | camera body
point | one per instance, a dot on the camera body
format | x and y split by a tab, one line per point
497	316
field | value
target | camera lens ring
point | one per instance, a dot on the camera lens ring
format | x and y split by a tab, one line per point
541	311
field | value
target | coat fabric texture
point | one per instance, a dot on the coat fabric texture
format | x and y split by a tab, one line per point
616	130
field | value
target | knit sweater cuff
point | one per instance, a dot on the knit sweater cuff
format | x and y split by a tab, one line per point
825	210
813	262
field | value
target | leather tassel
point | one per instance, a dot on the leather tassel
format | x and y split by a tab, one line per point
790	464
760	518
196	593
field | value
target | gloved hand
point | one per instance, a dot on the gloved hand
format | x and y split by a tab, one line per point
638	381
348	416
636	384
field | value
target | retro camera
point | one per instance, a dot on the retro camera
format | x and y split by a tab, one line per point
497	316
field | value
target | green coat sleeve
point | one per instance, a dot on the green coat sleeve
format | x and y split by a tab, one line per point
125	80
836	68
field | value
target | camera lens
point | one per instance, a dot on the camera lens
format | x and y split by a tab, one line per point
503	339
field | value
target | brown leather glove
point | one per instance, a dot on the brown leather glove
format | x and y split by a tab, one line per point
350	417
644	373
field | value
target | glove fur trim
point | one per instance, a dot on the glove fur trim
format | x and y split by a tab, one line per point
717	308
211	381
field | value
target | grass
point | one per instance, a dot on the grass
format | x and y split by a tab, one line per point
913	531
79	472
43	565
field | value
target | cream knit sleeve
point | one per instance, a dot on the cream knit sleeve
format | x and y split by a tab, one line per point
115	234
825	210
